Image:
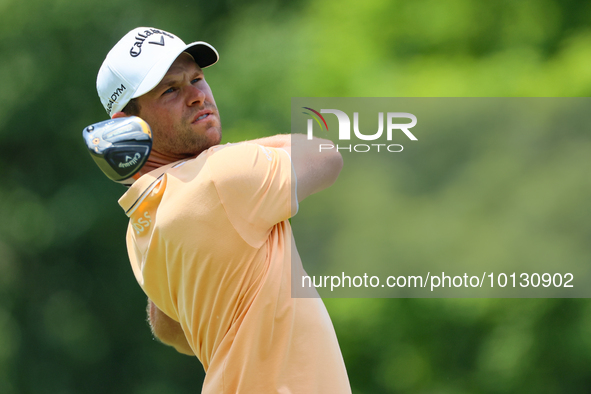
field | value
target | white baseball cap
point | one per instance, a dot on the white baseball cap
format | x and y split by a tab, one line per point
139	61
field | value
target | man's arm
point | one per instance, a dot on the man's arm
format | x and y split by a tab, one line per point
168	331
314	170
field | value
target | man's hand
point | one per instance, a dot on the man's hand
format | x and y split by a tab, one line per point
168	331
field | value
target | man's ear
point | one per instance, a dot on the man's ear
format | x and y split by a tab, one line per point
119	114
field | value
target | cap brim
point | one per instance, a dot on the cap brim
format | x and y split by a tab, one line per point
204	54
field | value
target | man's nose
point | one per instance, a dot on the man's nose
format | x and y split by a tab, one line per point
194	95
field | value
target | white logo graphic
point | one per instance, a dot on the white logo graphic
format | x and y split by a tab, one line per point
142	223
345	129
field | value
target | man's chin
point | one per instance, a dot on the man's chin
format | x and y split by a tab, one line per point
214	135
211	138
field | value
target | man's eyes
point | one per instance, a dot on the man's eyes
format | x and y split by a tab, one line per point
172	89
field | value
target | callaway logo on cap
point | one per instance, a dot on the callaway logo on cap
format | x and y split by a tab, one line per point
139	61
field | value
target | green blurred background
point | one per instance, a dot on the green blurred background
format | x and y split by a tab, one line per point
72	317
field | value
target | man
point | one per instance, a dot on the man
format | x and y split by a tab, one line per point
209	238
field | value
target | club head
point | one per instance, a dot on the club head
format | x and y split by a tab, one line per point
120	147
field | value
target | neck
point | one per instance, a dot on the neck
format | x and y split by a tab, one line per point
156	160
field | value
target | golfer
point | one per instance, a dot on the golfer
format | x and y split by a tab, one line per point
209	238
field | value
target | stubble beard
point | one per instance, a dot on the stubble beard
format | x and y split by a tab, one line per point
188	143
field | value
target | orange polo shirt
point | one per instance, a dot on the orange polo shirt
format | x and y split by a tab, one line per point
211	246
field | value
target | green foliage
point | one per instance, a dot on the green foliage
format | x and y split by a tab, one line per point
72	317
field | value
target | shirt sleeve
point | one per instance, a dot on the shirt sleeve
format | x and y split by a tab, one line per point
256	186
